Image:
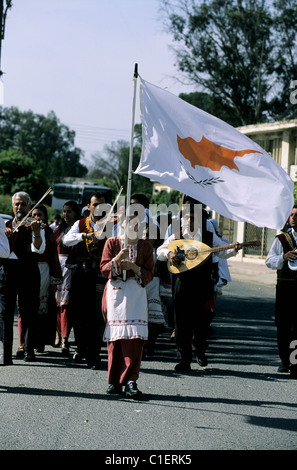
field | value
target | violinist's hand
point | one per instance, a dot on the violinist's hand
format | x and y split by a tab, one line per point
8	232
35	227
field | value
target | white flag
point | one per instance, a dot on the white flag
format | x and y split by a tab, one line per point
199	155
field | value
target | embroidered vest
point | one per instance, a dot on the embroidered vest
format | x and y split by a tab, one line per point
288	243
87	249
20	244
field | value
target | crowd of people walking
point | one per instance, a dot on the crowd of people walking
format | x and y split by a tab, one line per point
114	290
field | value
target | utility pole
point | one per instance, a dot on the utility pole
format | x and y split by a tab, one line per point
4	7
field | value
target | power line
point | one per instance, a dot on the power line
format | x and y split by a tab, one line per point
98	134
91	138
86	126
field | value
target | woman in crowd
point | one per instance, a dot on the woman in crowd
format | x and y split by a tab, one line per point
50	278
125	307
71	213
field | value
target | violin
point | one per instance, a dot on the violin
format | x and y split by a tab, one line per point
29	220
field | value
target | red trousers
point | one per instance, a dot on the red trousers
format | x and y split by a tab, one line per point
124	359
63	321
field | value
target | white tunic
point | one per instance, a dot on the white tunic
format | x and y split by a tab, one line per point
127	310
126	305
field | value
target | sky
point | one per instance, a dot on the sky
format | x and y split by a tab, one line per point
77	58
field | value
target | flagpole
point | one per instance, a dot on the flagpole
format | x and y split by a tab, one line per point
129	182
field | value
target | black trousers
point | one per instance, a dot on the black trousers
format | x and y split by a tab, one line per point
192	318
86	312
285	318
19	287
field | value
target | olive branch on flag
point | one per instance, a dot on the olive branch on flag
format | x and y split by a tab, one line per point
203	183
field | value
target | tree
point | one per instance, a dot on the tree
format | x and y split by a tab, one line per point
240	52
44	139
20	174
285	58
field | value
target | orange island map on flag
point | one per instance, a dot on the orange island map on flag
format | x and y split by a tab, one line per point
208	154
203	157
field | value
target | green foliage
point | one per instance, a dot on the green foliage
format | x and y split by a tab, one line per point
43	139
6	205
162	197
21	174
242	53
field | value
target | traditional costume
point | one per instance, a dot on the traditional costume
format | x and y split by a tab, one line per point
194	302
125	308
50	275
285	314
156	319
87	283
63	290
4	253
22	287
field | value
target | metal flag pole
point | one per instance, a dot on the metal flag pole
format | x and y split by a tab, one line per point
129	182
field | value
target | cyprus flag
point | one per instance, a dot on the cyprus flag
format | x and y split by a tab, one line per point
197	154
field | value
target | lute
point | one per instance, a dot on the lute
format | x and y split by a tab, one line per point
192	253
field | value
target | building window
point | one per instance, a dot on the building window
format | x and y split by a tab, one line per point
228	228
266	237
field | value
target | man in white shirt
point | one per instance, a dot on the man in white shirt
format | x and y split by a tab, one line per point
4	254
4	243
87	284
193	293
281	257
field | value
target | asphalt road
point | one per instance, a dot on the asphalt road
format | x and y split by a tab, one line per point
239	402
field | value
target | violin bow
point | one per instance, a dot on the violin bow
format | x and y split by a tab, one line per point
100	231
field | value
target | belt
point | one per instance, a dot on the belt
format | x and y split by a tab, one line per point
89	264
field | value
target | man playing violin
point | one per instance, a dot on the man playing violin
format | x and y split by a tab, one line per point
281	257
23	279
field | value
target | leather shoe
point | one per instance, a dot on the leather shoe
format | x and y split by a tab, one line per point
114	389
131	391
293	372
183	366
20	352
283	367
29	357
202	360
76	357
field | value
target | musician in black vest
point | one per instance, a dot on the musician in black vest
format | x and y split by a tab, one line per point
23	277
281	255
87	284
193	293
